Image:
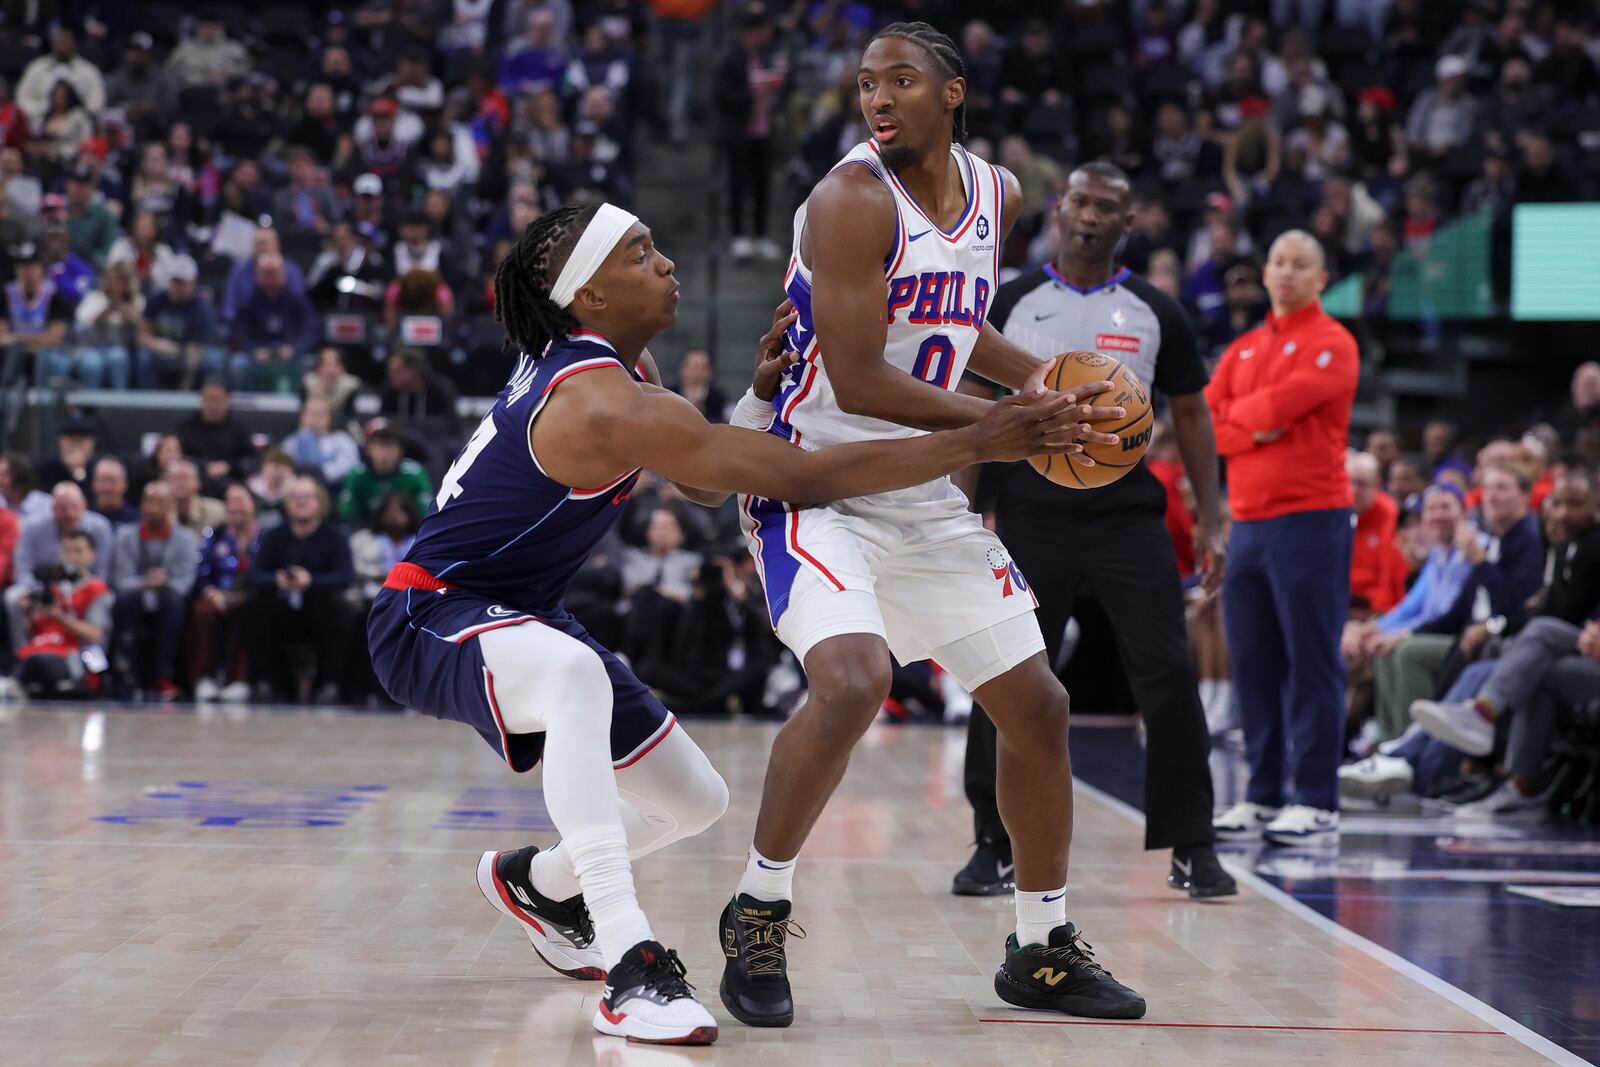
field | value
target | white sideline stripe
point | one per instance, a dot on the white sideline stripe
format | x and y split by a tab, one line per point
1460	998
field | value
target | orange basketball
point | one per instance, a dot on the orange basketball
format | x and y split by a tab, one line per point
1128	392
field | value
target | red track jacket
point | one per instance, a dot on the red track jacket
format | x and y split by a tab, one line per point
1298	374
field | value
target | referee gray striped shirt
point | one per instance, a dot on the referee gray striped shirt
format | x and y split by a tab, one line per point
1125	317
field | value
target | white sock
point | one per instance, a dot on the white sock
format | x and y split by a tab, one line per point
601	859
1038	914
551	874
767	879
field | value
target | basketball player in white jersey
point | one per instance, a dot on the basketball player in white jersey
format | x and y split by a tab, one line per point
896	258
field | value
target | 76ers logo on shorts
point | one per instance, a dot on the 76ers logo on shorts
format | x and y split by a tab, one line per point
1006	573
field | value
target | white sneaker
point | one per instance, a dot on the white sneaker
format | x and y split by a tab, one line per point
1303	826
11	691
206	689
646	999
1457	724
1243	822
743	248
1375	776
236	693
1506	802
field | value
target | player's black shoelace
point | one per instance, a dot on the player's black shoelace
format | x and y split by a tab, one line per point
582	924
1080	952
665	974
765	940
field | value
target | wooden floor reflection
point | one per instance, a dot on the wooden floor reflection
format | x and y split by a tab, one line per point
288	889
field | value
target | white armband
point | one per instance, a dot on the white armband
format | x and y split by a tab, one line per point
751	413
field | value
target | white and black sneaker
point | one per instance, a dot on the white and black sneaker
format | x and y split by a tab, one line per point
1301	826
561	932
989	873
647	1000
1243	822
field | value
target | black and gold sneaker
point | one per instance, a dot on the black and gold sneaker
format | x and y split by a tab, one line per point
1063	976
755	979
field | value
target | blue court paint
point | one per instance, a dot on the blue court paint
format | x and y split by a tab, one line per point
1435	895
497	808
248	805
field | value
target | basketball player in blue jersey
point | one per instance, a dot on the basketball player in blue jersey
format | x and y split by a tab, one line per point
895	259
470	625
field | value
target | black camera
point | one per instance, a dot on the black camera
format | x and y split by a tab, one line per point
50	574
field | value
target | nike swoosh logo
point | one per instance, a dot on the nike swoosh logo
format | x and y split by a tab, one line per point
1047	899
770	867
1186	868
1041	318
1005	869
918	236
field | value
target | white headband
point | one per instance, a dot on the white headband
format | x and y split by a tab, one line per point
599	238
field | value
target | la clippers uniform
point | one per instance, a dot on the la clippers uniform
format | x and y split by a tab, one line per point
936	574
498	548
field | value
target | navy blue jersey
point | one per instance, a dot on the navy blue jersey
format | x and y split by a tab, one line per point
500	526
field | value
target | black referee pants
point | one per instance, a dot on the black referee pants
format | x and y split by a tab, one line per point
1126	562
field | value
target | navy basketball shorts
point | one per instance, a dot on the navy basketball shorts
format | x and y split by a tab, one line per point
426	653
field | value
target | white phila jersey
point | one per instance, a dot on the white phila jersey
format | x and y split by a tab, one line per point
940	284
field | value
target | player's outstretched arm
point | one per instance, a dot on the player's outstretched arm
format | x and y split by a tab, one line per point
627	425
849	230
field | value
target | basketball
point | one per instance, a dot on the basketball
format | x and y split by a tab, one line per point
1128	392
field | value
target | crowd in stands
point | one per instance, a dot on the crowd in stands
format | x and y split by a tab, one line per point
214	191
1371	123
1475	609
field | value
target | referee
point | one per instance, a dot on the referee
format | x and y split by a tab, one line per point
1112	542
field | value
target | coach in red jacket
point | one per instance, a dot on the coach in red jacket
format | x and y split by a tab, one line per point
1280	401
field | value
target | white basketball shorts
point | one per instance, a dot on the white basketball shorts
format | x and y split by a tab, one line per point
914	567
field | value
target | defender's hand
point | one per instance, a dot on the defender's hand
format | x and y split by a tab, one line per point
772	358
1029	425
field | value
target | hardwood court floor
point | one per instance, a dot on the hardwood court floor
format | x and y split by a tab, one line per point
284	889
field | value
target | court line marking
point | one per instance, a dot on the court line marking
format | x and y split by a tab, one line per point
1395	962
1249	1026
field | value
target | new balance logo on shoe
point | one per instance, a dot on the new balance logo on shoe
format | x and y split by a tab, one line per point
1050	976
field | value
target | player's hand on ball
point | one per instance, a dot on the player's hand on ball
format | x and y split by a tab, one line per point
772	358
1030	424
1086	413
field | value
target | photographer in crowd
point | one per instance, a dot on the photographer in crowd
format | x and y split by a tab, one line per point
64	616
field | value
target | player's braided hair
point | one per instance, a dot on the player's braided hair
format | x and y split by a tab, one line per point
523	281
944	53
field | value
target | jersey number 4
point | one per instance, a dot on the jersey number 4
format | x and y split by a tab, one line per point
475	444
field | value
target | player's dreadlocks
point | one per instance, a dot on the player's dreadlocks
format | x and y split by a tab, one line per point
523	281
944	53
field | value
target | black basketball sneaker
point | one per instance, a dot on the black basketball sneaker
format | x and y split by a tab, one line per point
755	979
647	1000
561	932
988	873
1063	976
1198	872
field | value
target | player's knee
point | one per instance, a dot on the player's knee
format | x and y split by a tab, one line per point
850	696
705	803
1042	721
